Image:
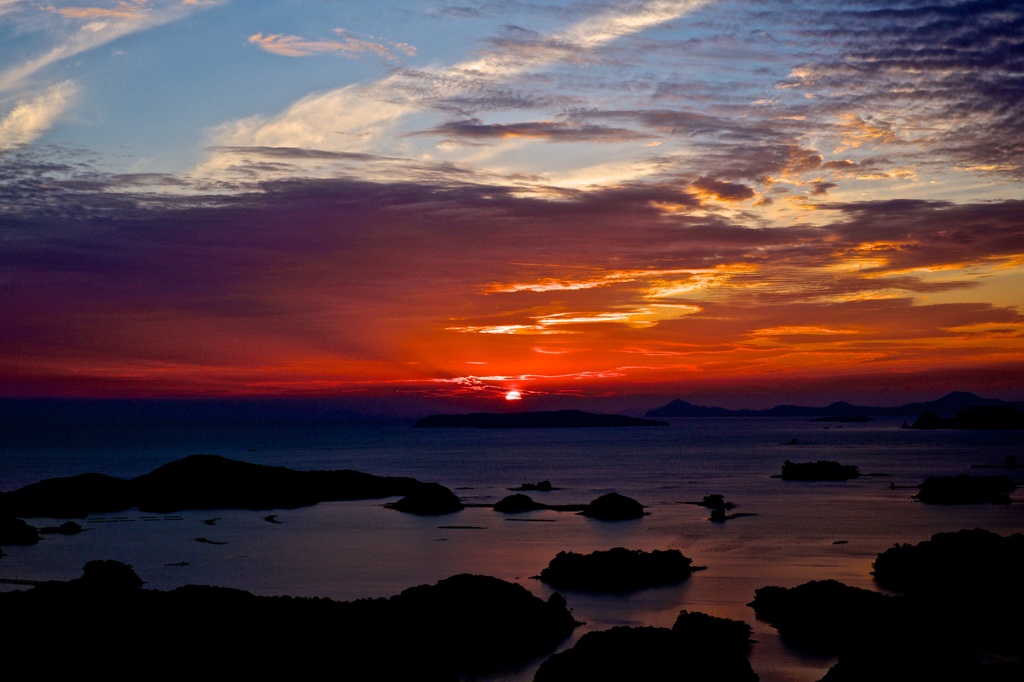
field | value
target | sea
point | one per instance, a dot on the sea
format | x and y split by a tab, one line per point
789	532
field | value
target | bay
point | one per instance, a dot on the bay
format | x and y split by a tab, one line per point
796	531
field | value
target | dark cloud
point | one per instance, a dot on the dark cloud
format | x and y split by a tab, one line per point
958	65
684	123
921	234
725	191
553	131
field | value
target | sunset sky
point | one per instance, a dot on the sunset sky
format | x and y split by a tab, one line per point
419	201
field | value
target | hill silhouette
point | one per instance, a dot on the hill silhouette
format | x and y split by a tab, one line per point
949	404
199	482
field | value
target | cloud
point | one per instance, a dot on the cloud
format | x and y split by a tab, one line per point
723	191
936	74
360	117
102	26
349	46
344	281
553	131
124	9
850	201
34	115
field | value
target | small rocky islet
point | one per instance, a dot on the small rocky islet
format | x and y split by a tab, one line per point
617	570
821	470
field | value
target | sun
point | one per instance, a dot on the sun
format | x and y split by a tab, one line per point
513	395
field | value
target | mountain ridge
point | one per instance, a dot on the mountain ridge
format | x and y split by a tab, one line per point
947	405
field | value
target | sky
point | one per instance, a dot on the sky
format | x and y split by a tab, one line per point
443	201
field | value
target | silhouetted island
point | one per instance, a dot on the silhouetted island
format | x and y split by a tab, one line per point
961	593
541	486
66	528
997	417
718	506
616	570
199	482
963	557
518	503
965	489
531	420
698	647
465	624
822	470
614	507
428	499
16	532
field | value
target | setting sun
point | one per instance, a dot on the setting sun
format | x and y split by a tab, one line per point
513	395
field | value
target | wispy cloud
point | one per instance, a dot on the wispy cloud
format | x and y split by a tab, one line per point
96	26
358	117
124	9
349	46
34	115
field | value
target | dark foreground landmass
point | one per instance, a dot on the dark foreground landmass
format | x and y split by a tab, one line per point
961	596
531	420
199	482
466	624
697	647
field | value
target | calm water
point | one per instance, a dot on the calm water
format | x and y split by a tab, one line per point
348	550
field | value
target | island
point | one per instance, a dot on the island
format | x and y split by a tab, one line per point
200	482
954	619
518	503
965	489
697	647
531	420
994	417
822	470
16	532
429	499
718	506
616	570
614	507
105	620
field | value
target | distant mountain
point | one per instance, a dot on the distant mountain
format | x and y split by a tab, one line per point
530	420
949	404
